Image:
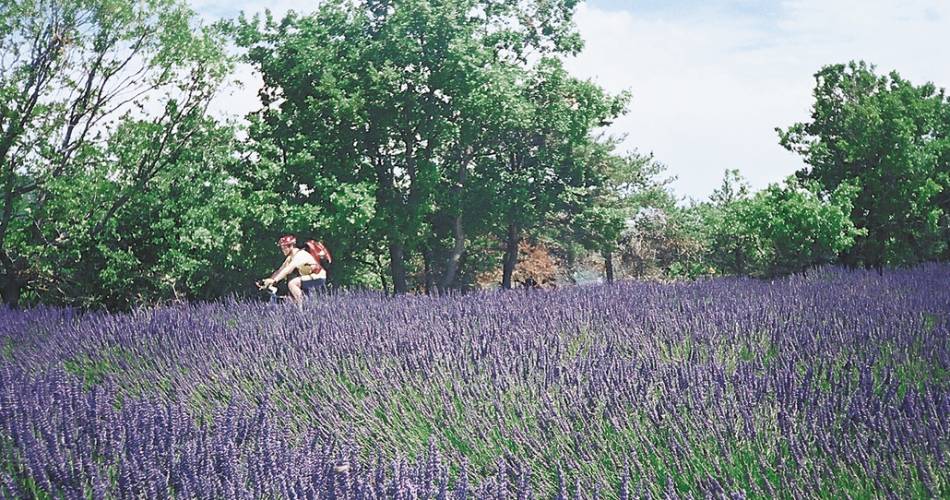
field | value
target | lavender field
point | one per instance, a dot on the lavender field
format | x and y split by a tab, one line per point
832	384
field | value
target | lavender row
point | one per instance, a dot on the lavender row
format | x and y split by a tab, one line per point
835	382
75	443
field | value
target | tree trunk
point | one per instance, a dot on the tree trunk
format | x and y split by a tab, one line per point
458	234
386	201
511	255
397	267
452	263
609	266
10	281
382	274
739	261
10	291
571	263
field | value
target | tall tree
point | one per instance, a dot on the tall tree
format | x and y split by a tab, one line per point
174	238
542	156
801	227
619	187
389	97
892	140
482	104
73	74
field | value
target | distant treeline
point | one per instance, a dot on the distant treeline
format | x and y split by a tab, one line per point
433	145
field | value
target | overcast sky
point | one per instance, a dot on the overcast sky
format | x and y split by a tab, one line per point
712	79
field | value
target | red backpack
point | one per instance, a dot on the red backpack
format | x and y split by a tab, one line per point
320	254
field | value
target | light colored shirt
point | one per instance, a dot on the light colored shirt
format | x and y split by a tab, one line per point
303	262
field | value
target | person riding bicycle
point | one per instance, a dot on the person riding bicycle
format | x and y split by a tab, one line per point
311	275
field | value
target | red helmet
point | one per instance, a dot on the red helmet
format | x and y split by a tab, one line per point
288	240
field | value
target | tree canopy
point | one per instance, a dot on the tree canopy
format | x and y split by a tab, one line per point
890	139
434	145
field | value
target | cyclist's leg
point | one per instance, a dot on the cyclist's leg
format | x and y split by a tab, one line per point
296	291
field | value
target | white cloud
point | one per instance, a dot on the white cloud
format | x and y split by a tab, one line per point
239	97
710	86
216	9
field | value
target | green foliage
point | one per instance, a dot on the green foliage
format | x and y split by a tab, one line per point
800	227
891	140
422	140
384	129
780	230
104	106
734	245
411	115
603	215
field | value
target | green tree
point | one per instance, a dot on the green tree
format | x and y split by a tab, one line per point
176	237
891	139
664	239
734	246
97	99
800	227
396	99
542	158
596	216
780	230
